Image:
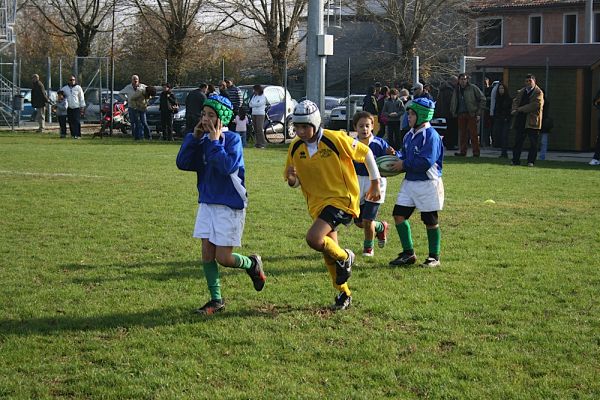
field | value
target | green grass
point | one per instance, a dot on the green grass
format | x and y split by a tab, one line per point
100	274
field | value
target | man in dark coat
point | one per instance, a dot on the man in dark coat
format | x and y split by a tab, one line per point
442	110
193	107
39	99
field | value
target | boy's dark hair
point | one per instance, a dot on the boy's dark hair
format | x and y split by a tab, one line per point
361	114
530	76
60	92
463	75
203	85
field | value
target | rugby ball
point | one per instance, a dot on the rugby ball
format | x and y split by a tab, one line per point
385	165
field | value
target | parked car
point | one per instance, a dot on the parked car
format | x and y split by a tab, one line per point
153	112
281	104
331	102
337	117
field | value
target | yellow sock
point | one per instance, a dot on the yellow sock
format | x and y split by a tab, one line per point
330	264
333	250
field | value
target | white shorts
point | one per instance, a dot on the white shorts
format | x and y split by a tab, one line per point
365	183
221	225
424	195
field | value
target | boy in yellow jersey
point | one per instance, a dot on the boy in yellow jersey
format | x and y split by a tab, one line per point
320	162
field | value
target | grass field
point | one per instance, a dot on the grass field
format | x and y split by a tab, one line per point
100	274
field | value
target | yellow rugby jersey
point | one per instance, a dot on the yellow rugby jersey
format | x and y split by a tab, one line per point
328	177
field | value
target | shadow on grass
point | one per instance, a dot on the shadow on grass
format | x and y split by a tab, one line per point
149	319
170	270
506	162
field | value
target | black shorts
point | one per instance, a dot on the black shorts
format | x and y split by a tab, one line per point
335	217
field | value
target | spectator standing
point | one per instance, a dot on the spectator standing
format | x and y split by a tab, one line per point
168	106
236	97
466	105
384	94
135	115
241	125
420	92
547	125
370	106
223	89
393	110
258	104
596	158
193	106
527	108
487	133
139	101
61	112
443	110
76	104
39	99
501	118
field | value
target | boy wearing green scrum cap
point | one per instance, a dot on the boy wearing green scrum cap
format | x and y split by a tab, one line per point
422	158
215	154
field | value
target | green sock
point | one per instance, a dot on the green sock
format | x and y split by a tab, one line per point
241	261
378	227
405	236
368	244
211	272
434	238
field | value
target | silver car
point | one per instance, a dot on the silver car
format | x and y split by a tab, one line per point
337	117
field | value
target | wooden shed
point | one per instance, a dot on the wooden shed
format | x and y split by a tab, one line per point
570	74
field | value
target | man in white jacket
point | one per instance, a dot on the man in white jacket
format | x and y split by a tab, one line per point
258	104
76	104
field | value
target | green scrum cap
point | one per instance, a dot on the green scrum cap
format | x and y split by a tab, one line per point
222	106
424	109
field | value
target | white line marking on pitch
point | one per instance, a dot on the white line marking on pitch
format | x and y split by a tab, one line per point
49	174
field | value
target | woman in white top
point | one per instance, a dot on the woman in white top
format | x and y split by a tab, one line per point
258	103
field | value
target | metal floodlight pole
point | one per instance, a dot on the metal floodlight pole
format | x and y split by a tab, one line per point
112	70
315	60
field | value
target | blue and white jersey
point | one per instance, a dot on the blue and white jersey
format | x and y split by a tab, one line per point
379	148
219	165
423	154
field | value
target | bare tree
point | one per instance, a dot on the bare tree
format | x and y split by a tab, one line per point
432	24
172	21
276	21
79	19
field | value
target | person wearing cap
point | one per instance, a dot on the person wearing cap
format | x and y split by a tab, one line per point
215	154
39	99
466	105
320	161
422	159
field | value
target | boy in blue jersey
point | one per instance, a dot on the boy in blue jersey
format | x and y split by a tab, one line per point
422	158
215	154
363	124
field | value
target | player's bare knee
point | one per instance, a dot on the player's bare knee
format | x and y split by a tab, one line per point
314	242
